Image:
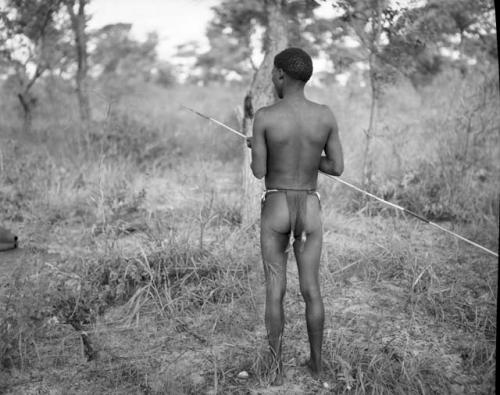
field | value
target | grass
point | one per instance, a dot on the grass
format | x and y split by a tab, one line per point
135	275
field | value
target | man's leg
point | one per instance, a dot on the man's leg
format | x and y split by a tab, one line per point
273	245
308	266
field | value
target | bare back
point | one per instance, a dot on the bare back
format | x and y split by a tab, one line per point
296	133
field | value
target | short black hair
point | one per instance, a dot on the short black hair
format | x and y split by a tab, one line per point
295	62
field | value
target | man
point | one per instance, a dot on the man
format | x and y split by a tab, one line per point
289	138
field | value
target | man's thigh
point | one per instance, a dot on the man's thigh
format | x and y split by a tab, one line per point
274	233
308	256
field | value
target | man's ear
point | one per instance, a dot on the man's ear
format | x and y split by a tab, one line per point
281	74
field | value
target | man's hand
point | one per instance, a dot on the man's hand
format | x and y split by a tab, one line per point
333	162
249	142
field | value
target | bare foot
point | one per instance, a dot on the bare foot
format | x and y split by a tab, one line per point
316	373
313	369
276	369
278	380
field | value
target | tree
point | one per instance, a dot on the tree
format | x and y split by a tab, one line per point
165	75
366	21
261	93
117	53
408	42
235	35
418	36
29	40
76	11
120	61
227	57
237	32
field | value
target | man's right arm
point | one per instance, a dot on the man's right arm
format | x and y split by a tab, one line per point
333	162
259	147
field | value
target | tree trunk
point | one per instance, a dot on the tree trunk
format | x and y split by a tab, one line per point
261	94
376	28
367	156
78	25
26	103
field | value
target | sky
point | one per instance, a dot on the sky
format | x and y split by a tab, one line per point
176	21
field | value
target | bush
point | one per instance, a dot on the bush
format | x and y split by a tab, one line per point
122	138
444	164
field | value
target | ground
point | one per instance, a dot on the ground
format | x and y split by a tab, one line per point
408	309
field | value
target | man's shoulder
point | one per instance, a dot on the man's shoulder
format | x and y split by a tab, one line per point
323	108
321	112
268	109
267	112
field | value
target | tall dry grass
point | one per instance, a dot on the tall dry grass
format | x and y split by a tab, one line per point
137	276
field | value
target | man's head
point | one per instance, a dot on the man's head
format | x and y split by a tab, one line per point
294	64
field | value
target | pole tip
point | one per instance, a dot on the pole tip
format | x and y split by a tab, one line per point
194	111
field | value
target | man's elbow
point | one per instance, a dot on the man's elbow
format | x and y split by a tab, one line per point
338	170
258	173
332	167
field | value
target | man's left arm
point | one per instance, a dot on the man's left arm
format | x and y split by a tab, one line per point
259	148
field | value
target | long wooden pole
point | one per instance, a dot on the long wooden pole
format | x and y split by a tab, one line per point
338	179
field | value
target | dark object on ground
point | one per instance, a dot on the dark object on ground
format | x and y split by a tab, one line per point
8	241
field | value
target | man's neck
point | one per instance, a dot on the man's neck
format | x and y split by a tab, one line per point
294	91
